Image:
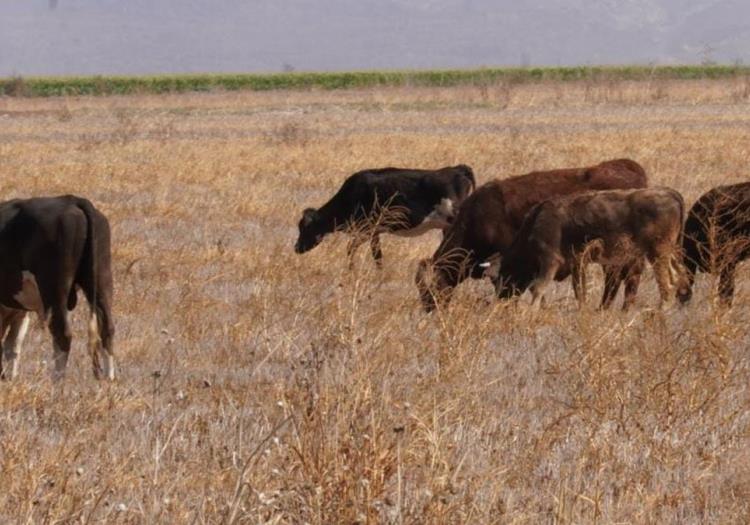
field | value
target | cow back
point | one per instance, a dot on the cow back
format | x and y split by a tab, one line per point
490	218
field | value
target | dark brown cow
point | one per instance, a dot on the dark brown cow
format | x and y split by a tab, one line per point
717	237
406	202
50	247
489	219
617	228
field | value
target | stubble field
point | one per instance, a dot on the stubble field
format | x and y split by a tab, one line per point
256	385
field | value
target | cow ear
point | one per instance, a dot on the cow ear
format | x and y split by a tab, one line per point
309	215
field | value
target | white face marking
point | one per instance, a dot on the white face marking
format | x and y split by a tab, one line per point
439	218
12	345
28	296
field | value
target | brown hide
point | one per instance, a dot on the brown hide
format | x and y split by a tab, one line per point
616	228
489	219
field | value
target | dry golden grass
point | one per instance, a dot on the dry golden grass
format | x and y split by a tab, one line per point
260	386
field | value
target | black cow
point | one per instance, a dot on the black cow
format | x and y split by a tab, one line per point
717	237
406	202
50	247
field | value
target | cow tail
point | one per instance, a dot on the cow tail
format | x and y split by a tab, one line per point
90	255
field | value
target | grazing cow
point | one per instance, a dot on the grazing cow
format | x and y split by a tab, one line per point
717	237
406	202
50	247
616	228
489	219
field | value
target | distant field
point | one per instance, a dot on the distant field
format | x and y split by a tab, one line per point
114	85
260	386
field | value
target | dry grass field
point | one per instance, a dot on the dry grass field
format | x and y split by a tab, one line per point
259	386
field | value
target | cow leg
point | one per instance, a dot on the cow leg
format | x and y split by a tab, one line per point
59	327
612	280
101	331
632	277
101	327
540	284
16	324
578	274
663	271
726	284
377	253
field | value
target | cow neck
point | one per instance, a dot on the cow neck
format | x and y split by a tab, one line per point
334	214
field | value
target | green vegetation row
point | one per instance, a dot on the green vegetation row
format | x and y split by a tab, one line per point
121	85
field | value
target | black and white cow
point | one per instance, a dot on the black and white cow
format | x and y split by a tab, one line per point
405	202
50	247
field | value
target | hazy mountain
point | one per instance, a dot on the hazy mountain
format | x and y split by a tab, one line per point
152	36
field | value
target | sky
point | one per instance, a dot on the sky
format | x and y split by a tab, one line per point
100	37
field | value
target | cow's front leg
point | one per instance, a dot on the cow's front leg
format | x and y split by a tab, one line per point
15	324
539	285
377	253
612	280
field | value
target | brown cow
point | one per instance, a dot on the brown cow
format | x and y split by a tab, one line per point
489	219
717	237
622	226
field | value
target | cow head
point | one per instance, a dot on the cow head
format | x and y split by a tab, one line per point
311	231
509	281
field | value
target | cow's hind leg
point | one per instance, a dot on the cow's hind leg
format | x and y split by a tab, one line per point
539	285
59	327
17	324
101	332
101	326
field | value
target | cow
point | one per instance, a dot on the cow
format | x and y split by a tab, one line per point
615	228
489	219
49	248
717	237
405	202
